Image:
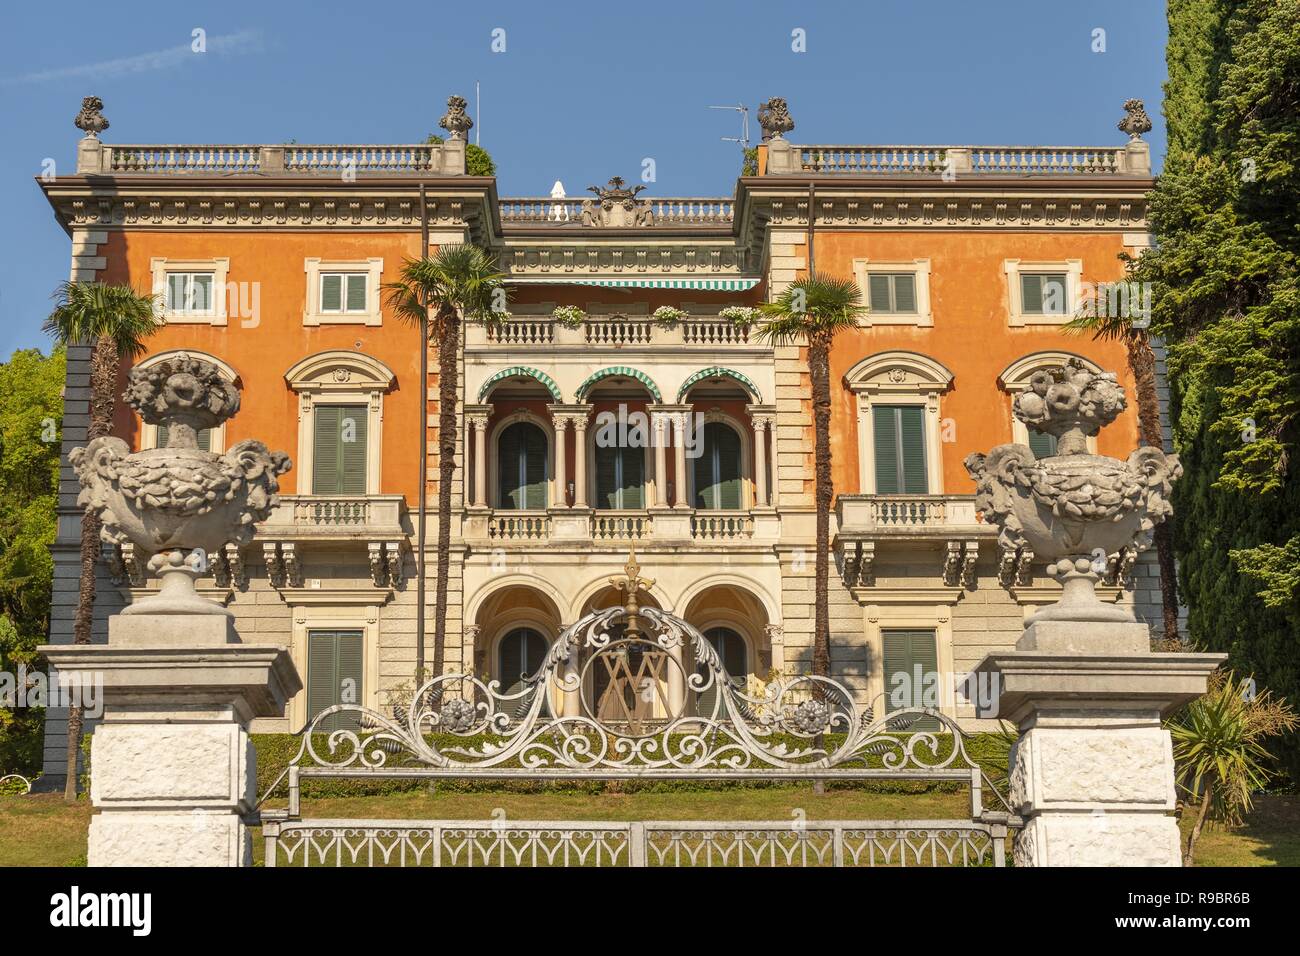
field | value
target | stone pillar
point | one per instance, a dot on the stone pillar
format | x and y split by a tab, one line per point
173	770
681	421
661	434
580	462
477	417
1092	774
676	683
561	499
760	423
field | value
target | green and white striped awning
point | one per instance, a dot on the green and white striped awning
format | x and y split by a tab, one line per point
739	284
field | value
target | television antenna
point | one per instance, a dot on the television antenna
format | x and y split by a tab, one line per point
743	138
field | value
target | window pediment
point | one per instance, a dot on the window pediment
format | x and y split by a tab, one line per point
340	370
907	372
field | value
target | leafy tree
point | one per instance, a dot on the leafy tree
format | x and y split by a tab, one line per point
31	407
1219	755
117	320
457	282
810	312
478	161
1227	302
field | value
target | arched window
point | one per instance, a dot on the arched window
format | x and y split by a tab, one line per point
522	470
734	652
519	654
620	478
718	483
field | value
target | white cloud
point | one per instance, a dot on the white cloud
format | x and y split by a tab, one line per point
246	41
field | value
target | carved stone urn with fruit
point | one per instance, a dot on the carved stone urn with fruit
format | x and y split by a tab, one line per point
178	504
1075	509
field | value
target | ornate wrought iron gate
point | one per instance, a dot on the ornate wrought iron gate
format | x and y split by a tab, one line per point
557	728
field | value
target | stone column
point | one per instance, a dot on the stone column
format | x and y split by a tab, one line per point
173	769
676	682
477	417
561	499
681	421
760	423
572	672
580	462
661	433
1092	774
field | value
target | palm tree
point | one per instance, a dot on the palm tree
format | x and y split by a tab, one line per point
115	320
1133	335
457	282
1218	751
809	313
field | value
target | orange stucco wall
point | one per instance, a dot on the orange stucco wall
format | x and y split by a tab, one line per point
262	354
970	336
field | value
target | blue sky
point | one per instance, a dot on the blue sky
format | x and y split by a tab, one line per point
582	92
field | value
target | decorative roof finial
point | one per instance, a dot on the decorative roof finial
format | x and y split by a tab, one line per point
774	118
1135	122
456	121
91	120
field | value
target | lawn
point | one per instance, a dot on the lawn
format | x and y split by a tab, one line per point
41	830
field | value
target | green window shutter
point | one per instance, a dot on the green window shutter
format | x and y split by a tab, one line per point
717	469
905	293
334	670
353	423
535	468
325	451
356	292
606	476
521	654
1031	294
884	429
331	293
909	653
620	478
898	436
339	450
1042	444
878	286
522	469
632	461
912	448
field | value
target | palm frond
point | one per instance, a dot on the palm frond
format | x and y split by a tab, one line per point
85	312
817	305
461	277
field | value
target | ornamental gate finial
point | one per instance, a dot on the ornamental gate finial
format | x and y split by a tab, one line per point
631	583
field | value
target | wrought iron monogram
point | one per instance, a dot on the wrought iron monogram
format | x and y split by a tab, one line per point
627	724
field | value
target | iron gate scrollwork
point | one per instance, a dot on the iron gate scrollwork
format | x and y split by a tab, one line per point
557	727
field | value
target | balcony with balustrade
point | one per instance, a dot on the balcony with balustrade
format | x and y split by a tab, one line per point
374	526
614	331
910	525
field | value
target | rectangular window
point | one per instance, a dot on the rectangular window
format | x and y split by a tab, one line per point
899	444
1044	293
334	664
339	450
343	292
892	292
190	293
911	671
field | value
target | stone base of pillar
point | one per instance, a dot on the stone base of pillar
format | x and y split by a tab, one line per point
671	524
570	524
1092	774
172	766
767	523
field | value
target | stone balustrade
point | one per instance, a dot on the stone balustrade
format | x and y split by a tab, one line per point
335	516
888	514
445	159
1133	159
697	332
666	211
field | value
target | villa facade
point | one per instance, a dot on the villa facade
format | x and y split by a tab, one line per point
681	434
